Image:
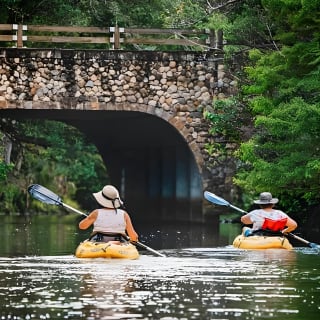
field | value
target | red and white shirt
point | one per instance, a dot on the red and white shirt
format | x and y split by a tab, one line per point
274	220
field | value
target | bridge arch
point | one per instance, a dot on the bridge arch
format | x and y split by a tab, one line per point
146	156
153	101
182	128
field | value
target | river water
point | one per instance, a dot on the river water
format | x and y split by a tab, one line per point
201	277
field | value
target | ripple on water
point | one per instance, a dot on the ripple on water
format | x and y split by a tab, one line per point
204	283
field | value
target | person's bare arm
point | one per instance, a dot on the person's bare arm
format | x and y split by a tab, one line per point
246	219
291	225
129	228
89	220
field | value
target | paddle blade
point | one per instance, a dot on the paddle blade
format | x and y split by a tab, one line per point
314	245
44	195
215	199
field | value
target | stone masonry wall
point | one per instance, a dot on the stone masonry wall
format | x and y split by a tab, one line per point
176	86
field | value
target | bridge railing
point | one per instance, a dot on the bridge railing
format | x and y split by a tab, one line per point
19	36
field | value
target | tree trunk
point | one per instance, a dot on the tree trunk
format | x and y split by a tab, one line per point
7	149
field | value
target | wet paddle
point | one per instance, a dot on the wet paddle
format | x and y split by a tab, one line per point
44	195
211	197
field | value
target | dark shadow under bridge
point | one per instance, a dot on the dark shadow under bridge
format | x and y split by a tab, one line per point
146	158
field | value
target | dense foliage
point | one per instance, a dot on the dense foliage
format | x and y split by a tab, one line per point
283	93
54	155
276	46
134	13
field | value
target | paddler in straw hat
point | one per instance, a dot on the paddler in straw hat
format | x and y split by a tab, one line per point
111	221
266	219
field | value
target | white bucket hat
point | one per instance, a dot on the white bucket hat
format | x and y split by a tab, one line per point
266	198
108	197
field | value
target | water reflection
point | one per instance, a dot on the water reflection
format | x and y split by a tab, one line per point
212	281
56	235
198	283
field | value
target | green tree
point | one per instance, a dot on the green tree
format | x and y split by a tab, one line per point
228	122
71	12
5	165
283	93
55	155
71	156
135	13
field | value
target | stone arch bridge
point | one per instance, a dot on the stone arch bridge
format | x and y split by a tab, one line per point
143	110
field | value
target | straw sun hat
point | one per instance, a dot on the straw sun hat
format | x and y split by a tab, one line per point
108	197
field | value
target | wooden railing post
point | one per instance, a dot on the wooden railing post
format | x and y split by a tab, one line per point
211	40
116	38
18	37
220	39
215	39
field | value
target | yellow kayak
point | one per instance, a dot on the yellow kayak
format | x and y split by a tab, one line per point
261	242
91	249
